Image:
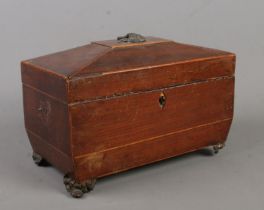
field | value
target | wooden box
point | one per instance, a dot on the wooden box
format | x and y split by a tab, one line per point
110	106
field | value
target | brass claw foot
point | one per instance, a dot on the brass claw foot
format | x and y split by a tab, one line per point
217	147
38	160
77	189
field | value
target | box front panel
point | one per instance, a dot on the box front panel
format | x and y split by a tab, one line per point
104	124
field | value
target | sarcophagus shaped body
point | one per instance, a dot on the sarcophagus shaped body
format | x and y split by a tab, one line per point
110	106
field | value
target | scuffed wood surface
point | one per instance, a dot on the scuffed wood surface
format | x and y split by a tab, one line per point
122	158
51	153
94	110
89	88
104	124
51	123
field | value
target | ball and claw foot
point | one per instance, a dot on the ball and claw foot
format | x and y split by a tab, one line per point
77	189
38	160
218	147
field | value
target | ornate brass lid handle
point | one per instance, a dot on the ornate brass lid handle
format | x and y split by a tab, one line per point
132	38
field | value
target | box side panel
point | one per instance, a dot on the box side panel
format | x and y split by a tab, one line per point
118	83
41	79
105	124
47	125
122	158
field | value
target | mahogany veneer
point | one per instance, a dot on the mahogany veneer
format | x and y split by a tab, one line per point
110	106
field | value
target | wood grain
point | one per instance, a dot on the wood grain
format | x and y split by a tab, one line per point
52	124
95	58
133	155
89	88
67	62
94	110
119	59
45	81
51	153
103	124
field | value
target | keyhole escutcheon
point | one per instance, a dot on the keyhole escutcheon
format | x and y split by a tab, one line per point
162	100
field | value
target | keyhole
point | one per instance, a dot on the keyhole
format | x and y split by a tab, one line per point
162	100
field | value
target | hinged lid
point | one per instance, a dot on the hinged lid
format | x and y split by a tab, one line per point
104	57
141	62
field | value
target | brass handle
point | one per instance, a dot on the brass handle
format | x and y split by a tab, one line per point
132	38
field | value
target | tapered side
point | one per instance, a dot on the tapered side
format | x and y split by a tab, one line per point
46	116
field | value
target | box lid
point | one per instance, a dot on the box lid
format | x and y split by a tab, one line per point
113	56
129	64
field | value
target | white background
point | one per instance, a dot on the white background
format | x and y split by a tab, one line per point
231	180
